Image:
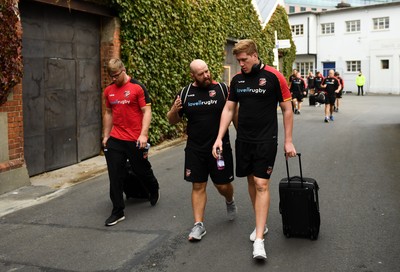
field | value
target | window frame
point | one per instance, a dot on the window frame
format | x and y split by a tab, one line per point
328	28
385	64
353	66
353	26
304	67
381	23
297	28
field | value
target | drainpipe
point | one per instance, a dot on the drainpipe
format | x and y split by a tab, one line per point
308	35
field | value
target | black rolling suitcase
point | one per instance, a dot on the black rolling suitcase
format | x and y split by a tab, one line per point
133	186
311	99
299	205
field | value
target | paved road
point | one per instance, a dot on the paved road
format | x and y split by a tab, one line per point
355	159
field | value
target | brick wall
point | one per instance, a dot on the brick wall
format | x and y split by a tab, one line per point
110	47
15	135
13	108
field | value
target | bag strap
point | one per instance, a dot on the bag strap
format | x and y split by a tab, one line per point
222	89
186	91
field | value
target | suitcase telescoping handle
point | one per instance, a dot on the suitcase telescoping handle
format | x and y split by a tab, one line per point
287	169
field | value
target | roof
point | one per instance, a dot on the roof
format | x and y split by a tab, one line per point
389	4
265	9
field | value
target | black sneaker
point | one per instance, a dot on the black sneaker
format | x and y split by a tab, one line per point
154	197
114	219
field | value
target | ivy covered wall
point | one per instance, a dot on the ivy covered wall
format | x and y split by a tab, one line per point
10	48
160	38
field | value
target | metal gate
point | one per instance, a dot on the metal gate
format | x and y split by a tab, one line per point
61	86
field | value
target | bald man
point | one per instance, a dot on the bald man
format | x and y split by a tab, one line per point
202	102
332	87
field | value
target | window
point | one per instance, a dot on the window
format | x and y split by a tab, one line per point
297	30
385	64
353	26
291	9
328	28
353	65
381	23
304	68
314	9
302	9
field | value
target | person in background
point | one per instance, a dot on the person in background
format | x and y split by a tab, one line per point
317	85
298	90
332	86
202	102
340	93
126	125
310	86
257	89
293	75
360	81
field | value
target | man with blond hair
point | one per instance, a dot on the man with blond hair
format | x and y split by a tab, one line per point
257	90
202	102
126	125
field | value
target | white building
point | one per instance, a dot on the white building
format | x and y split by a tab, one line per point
349	40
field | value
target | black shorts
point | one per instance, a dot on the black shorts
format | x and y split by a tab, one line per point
256	159
339	94
198	165
298	96
330	99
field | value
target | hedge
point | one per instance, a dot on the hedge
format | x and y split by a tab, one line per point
160	38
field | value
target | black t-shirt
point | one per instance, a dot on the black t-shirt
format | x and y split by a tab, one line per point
291	77
332	84
310	82
298	85
258	94
317	83
202	108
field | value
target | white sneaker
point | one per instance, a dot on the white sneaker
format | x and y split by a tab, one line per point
253	234
258	250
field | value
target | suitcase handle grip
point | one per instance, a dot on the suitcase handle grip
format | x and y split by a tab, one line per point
287	169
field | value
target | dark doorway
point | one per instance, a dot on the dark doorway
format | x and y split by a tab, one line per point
61	86
328	66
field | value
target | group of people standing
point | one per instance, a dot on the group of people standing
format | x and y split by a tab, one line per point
331	86
209	107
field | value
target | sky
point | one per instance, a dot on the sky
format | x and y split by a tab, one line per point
332	3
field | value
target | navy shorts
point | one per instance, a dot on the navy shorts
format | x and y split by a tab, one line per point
199	165
256	159
330	98
298	96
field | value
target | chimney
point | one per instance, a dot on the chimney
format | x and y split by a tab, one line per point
343	4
